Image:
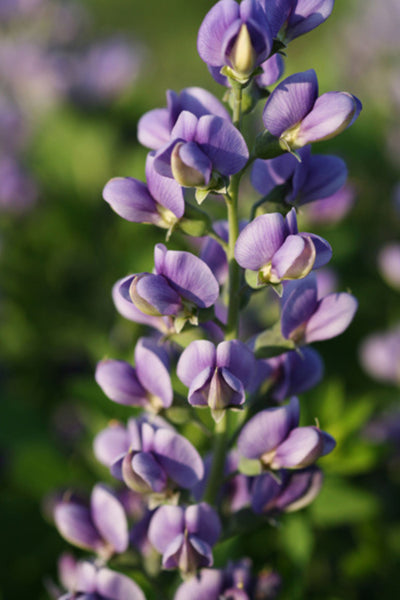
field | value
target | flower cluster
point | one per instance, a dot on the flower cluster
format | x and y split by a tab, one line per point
200	357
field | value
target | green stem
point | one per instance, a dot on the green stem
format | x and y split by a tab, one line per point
217	469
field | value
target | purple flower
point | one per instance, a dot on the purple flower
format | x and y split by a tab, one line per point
305	318
380	355
160	202
333	208
315	177
235	582
286	491
292	18
18	191
389	264
272	246
274	438
180	285
149	456
147	385
155	127
235	36
294	373
297	116
216	376
185	536
202	150
102	526
103	584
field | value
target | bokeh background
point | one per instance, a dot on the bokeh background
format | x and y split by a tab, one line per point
74	79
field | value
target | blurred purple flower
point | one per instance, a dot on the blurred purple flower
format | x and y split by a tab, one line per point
306	318
297	116
380	356
316	176
18	191
272	246
101	526
148	455
155	126
185	536
333	208
274	438
389	264
294	373
147	385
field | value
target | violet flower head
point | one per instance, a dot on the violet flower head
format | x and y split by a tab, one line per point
185	536
305	318
389	264
155	126
272	246
100	583
147	385
297	116
286	492
292	18
235	37
274	438
181	285
380	356
160	202
149	456
202	151
294	373
216	376
101	526
316	176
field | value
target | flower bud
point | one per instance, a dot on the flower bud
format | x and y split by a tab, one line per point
184	174
242	55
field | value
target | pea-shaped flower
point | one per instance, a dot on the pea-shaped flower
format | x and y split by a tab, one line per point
297	116
272	246
102	584
201	149
147	385
292	18
316	176
185	536
101	526
181	284
216	376
160	202
154	127
306	318
274	438
235	36
149	456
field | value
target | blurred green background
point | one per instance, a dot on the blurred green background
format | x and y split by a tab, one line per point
59	261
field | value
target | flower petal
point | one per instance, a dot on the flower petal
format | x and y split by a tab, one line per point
154	128
131	200
109	517
110	444
167	523
212	31
151	363
302	447
198	356
119	382
237	358
165	191
178	457
222	143
116	586
259	241
202	520
332	316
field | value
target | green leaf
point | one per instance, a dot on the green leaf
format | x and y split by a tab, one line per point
272	343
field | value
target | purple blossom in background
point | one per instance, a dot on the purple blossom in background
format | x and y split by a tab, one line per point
294	373
274	437
160	202
327	281
185	536
18	191
200	146
101	526
216	376
316	176
305	318
100	583
297	116
235	582
147	385
380	356
272	246
181	284
155	126
389	264
236	36
332	209
149	456
285	491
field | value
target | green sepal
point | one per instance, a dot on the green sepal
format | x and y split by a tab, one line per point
278	288
252	280
267	146
249	466
278	47
201	194
195	222
272	343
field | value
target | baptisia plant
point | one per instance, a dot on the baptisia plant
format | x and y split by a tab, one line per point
206	347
